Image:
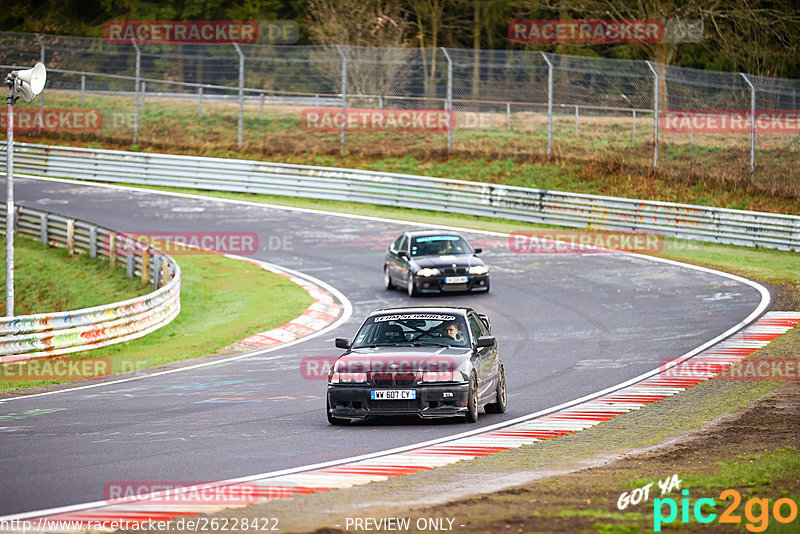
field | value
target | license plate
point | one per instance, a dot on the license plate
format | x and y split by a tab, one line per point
455	280
393	394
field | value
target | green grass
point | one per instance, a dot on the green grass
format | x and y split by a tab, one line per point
749	471
49	280
222	301
601	159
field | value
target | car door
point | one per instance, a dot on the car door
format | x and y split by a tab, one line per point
485	358
401	261
392	259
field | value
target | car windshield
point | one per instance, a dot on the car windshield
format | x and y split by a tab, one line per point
412	329
436	245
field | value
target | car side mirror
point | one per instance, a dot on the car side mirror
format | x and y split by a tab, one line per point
486	341
478	251
403	254
342	343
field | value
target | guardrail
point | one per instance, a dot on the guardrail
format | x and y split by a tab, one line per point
720	225
50	334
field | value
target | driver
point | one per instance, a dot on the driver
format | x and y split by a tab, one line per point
450	330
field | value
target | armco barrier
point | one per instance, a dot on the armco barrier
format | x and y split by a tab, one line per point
49	334
703	223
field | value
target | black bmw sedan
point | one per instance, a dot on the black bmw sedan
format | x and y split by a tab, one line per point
434	261
424	361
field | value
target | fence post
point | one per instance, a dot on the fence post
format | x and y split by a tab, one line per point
43	228
449	102
576	120
144	93
655	113
549	103
41	95
752	126
241	94
136	92
83	87
508	116
92	241
261	107
633	132
344	97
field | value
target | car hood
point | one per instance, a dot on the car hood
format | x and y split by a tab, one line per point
404	359
460	260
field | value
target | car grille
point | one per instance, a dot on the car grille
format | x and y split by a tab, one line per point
392	379
393	405
449	271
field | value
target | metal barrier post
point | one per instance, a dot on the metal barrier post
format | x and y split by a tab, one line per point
199	101
241	94
136	92
655	113
752	126
83	87
449	101
41	96
549	103
344	97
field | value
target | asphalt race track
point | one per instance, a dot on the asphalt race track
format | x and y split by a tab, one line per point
568	325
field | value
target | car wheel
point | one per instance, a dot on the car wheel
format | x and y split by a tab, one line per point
387	278
334	420
499	406
472	400
412	290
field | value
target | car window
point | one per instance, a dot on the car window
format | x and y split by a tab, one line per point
403	244
396	245
476	326
413	328
433	245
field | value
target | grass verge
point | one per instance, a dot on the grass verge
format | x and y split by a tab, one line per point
222	301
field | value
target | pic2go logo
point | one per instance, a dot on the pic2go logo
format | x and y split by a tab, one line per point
756	511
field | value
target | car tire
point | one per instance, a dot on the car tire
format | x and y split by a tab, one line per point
387	278
499	406
412	289
336	421
472	400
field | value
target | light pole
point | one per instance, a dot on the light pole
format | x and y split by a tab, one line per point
26	83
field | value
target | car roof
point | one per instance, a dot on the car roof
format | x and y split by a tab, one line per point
419	233
460	310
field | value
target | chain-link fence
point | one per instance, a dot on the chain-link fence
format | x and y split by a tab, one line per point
266	99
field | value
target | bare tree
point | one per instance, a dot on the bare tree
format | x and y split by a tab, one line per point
375	33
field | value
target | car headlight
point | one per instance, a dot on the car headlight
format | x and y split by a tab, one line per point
347	378
427	271
478	269
440	376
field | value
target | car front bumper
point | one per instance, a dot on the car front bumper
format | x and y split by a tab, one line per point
440	400
436	284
